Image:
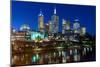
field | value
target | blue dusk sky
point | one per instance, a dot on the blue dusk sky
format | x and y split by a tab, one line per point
27	13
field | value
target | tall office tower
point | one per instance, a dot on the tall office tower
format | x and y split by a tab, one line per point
50	27
68	25
63	26
24	27
55	22
76	26
41	22
46	29
83	31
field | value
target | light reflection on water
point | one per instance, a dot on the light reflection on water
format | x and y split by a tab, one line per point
49	57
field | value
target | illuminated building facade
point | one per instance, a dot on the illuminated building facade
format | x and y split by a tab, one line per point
83	31
50	27
55	22
76	26
46	30
63	26
68	25
47	27
41	22
37	36
21	35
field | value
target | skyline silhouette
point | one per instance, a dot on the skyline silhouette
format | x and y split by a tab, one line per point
27	13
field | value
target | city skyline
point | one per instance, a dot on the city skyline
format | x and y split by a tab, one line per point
28	14
49	33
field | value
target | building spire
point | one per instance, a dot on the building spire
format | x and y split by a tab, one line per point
41	14
55	10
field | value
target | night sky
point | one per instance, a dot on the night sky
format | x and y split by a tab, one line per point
27	13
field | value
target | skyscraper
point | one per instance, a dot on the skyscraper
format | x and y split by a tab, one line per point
50	27
83	31
41	22
46	29
76	26
68	25
55	22
63	26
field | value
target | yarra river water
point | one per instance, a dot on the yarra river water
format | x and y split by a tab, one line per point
52	56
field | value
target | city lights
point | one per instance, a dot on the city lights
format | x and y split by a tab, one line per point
51	37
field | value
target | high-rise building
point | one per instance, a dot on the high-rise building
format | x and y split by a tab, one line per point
41	22
47	27
63	26
55	22
83	31
76	26
50	27
68	25
46	30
